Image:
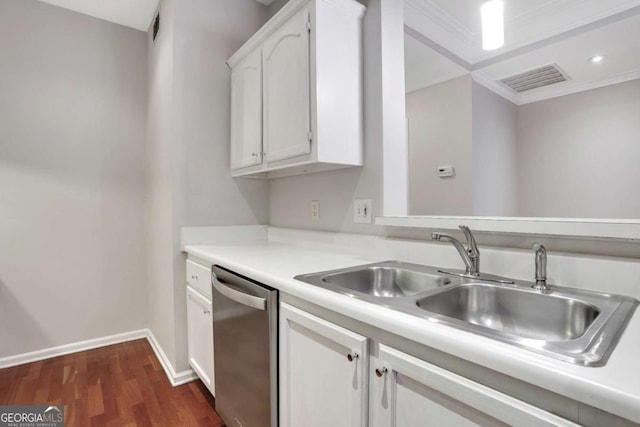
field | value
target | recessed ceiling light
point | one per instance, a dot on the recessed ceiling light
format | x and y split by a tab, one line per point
492	13
597	58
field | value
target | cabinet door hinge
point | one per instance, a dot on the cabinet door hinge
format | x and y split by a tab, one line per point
308	26
310	137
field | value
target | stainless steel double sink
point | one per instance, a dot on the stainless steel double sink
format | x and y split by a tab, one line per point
576	326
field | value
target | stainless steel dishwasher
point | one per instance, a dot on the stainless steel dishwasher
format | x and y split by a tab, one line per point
245	325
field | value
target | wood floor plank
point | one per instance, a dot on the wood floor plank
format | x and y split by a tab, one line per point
96	402
114	386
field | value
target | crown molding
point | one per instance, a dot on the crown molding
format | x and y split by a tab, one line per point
431	21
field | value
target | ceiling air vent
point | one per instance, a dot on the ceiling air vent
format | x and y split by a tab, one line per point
543	76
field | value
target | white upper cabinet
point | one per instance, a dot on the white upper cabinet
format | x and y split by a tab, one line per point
246	112
287	107
296	102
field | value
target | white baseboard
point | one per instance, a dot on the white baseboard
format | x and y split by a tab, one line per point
61	350
175	378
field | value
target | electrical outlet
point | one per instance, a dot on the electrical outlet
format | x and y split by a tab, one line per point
315	210
362	211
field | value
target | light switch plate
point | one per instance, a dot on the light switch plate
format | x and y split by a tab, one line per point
315	210
362	211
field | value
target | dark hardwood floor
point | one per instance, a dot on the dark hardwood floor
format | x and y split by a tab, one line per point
118	385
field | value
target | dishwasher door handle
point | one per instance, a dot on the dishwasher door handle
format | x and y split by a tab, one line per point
240	297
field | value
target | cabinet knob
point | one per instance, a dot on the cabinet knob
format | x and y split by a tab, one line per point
254	154
380	372
352	356
194	276
207	311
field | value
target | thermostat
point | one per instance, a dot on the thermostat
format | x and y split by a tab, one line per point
445	171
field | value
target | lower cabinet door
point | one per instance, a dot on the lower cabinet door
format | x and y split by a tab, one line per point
200	337
408	392
323	372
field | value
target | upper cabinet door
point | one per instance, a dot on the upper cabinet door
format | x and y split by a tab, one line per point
287	128
246	112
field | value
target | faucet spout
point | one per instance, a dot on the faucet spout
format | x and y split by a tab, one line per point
470	255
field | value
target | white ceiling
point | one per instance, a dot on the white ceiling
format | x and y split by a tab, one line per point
616	37
135	14
455	24
619	41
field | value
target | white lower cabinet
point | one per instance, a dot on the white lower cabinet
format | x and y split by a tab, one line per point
321	386
200	336
409	392
323	372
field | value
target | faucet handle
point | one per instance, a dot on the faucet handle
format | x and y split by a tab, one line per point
541	267
472	246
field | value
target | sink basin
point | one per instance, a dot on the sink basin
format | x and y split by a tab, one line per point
514	311
385	281
572	325
389	279
576	326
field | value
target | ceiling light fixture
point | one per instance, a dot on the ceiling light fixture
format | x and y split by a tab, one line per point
596	59
492	13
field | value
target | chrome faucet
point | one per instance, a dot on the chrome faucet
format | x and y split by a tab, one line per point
541	268
470	255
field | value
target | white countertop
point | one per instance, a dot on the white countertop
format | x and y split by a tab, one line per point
614	388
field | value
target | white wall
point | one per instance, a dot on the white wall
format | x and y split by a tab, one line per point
495	156
72	114
578	154
440	133
189	132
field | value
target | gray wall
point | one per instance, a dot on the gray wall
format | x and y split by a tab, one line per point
495	154
583	152
72	109
440	133
159	227
462	124
189	181
573	156
275	7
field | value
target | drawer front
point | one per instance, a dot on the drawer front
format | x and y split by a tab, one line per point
199	277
